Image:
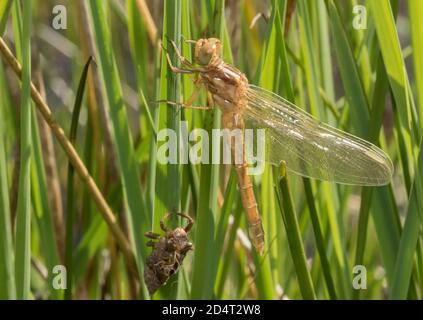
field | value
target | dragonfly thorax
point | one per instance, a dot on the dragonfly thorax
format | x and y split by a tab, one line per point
227	85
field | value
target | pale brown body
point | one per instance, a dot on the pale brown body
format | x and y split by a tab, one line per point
227	87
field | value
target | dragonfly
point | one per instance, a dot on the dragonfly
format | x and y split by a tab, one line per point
308	147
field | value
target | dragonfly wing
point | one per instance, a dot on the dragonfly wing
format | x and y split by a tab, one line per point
311	148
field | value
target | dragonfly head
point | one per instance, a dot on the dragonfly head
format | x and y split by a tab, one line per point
207	50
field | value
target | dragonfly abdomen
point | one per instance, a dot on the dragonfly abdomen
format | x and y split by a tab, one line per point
233	121
255	227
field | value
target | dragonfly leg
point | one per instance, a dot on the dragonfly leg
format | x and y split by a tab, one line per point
181	58
152	235
175	69
151	243
184	105
188	40
188	103
180	70
162	223
190	221
210	100
198	86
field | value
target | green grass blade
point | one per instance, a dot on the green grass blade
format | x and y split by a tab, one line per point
384	208
320	242
7	273
173	31
409	237
415	9
45	236
43	213
152	163
138	219
23	218
168	176
354	91
70	210
5	7
394	64
385	215
376	117
138	39
310	62
366	125
328	199
205	259
227	259
296	245
287	87
93	240
227	207
203	268
328	81
166	116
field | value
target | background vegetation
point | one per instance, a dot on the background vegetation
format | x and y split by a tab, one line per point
366	81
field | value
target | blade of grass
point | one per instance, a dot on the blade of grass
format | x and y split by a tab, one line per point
168	184
164	118
415	9
152	164
91	242
328	200
282	84
385	214
38	187
205	259
395	67
46	237
266	74
320	242
148	20
378	106
70	210
230	196
7	259
138	221
357	97
138	39
328	81
384	211
409	237
222	274
23	218
294	237
5	7
173	31
187	84
287	86
354	90
43	213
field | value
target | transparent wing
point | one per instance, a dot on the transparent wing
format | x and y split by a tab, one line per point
311	148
